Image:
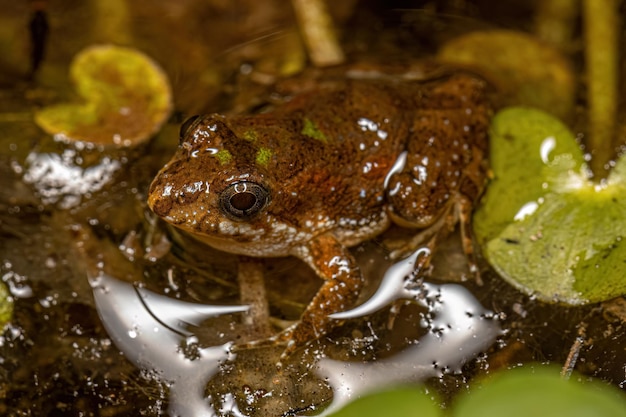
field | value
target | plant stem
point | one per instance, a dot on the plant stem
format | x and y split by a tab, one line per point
112	22
252	290
601	57
554	22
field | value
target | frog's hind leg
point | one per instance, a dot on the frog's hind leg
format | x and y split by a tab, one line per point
471	188
428	237
457	208
459	211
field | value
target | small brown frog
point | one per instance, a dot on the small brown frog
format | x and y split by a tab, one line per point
330	168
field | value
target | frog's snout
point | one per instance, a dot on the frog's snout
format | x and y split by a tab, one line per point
160	206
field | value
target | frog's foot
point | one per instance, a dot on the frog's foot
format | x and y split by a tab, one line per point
458	211
280	339
293	338
428	236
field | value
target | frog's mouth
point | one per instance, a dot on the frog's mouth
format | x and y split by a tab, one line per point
242	239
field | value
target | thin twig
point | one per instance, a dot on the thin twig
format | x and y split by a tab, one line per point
574	352
252	293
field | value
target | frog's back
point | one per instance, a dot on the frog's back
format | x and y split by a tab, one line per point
328	151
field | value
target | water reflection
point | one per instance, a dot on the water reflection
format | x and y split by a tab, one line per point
459	328
59	178
151	331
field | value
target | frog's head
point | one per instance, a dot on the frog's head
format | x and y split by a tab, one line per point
214	189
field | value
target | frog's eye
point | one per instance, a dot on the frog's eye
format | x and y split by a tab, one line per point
186	127
243	200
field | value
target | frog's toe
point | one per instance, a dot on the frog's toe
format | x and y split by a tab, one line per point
280	339
286	354
284	338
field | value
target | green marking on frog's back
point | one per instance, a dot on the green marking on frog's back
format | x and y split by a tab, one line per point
311	130
250	135
224	156
263	156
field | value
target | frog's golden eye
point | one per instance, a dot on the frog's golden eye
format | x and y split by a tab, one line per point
243	200
186	127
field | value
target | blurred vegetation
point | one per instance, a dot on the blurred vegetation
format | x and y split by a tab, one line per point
519	392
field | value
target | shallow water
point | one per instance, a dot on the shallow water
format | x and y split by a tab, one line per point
58	358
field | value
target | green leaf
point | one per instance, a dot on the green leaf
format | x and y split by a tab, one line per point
527	392
6	305
517	137
522	392
399	402
544	226
125	96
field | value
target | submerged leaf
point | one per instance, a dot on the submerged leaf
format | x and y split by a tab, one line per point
126	99
539	392
531	72
521	392
544	226
400	402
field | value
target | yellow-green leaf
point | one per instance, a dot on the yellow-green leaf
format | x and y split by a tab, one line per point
125	95
525	392
399	402
6	305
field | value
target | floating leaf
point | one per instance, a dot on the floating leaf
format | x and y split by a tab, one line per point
543	225
126	99
400	402
521	392
533	73
542	392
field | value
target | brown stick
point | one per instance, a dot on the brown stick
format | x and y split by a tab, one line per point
318	32
252	293
601	57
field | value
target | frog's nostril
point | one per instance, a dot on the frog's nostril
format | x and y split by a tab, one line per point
161	207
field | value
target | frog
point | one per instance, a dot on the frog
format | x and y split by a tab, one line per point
332	166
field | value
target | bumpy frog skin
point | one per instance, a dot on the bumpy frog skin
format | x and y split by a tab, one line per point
327	170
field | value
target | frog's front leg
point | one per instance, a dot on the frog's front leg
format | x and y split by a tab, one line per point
342	283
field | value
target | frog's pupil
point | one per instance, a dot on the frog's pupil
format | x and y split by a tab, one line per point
243	201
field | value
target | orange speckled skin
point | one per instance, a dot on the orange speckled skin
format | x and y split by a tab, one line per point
324	158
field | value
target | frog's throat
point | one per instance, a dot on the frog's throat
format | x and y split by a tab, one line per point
253	248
